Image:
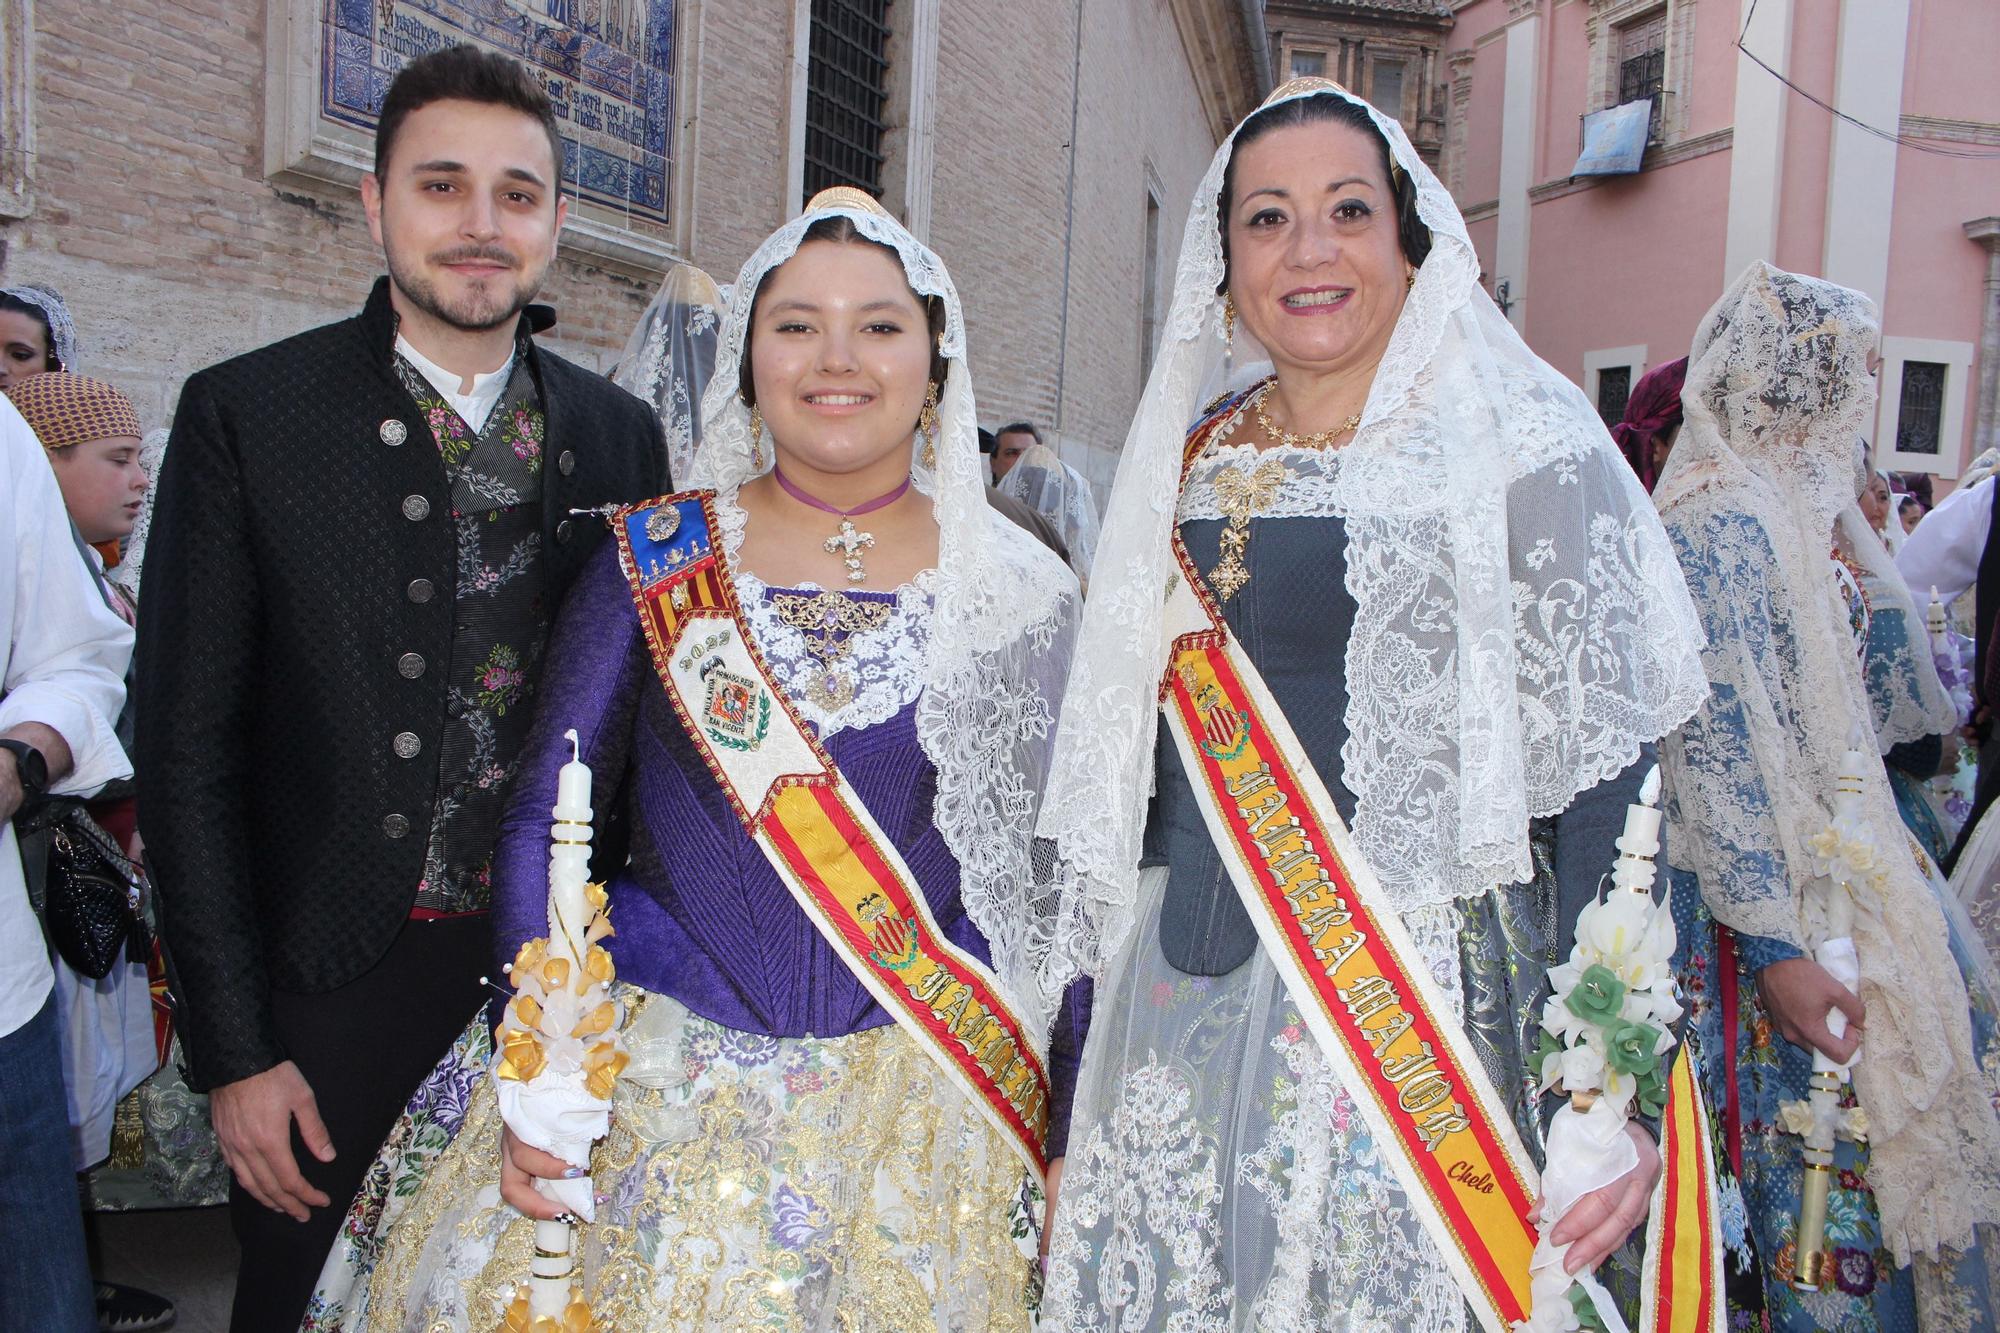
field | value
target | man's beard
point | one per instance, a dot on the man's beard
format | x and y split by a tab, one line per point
476	312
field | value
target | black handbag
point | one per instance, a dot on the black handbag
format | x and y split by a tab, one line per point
95	901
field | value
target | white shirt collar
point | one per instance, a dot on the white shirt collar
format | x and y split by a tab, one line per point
473	408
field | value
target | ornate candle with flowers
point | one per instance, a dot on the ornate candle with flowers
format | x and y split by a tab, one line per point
1604	1032
561	1054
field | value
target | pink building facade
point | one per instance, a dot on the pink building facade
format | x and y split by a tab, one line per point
1608	275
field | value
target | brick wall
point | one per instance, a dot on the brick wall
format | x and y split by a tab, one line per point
1005	80
154	217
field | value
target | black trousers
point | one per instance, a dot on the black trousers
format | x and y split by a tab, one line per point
363	1047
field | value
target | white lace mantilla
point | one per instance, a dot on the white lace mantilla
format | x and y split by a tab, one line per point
1520	630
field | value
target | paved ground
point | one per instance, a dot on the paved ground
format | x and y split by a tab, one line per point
185	1254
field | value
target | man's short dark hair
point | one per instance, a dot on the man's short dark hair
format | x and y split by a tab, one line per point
1021	427
465	74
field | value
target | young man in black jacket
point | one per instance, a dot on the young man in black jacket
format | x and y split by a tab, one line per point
360	538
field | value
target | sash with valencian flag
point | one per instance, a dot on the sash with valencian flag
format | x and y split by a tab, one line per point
809	821
1368	998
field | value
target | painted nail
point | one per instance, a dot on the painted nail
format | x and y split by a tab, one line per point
575	1172
602	1199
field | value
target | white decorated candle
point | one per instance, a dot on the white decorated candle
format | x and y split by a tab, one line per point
1642	820
1855	765
569	854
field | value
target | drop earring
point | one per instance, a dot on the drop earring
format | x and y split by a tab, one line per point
756	437
1228	323
927	423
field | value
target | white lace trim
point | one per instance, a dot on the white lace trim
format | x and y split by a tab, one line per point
886	664
1195	1202
1309	490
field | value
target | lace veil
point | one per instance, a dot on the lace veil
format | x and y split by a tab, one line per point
1060	494
670	357
1522	626
1003	614
1777	394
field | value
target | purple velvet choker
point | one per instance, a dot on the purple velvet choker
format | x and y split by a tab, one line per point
791	488
847	543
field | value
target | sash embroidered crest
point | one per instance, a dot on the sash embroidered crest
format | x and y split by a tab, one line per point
811	825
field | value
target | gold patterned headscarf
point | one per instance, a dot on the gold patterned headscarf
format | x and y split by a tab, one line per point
66	409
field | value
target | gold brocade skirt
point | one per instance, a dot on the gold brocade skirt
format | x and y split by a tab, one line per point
748	1182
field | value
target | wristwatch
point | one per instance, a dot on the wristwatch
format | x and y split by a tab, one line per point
33	768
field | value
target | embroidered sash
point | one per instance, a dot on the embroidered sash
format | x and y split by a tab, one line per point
811	824
1347	962
1682	1290
1370	1002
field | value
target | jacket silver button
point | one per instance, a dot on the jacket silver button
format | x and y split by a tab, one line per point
408	745
411	665
565	462
416	508
393	432
395	826
564	531
421	591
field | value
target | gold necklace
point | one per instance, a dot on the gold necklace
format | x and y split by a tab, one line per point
1276	433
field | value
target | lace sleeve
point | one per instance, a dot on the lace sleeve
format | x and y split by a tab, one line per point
1722	819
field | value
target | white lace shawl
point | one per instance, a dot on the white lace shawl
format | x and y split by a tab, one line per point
1777	392
1001	632
1522	628
1060	494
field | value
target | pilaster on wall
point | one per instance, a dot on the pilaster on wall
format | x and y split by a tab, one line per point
1986	410
1458	121
1861	167
909	147
795	116
17	120
1757	153
1519	103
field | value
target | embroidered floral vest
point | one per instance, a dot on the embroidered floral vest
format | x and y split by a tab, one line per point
500	619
